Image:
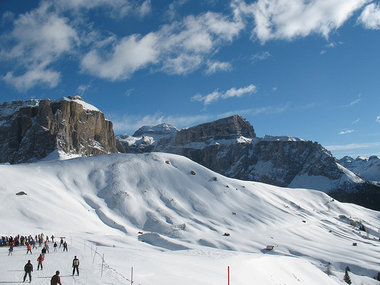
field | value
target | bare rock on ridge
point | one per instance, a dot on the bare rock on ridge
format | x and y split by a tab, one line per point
30	130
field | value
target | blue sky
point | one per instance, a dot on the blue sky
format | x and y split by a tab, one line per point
309	69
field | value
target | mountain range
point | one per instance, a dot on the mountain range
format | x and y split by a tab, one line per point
44	129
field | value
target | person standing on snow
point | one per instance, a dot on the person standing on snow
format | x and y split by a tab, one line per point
65	246
29	248
76	265
55	280
10	249
43	252
28	268
40	259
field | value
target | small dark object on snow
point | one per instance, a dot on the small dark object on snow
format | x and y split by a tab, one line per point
226	234
269	247
141	233
215	178
233	213
354	244
303	221
21	193
167	162
192	172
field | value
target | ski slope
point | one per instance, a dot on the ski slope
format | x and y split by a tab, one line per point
176	222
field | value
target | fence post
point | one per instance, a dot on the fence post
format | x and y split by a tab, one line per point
93	260
228	269
131	275
101	273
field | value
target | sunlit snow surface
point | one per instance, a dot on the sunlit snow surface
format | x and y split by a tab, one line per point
193	223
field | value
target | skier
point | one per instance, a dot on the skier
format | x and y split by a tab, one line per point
61	242
10	249
40	259
76	265
55	246
55	280
29	248
43	252
28	268
65	246
47	247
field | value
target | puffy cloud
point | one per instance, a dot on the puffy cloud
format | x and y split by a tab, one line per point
370	17
216	95
38	39
33	77
128	55
378	119
178	48
283	19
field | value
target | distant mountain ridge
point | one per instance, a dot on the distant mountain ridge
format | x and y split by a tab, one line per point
368	168
229	146
34	129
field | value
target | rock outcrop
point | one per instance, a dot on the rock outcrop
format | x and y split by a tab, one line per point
30	130
229	146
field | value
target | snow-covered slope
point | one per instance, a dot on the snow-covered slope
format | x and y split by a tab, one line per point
176	222
368	168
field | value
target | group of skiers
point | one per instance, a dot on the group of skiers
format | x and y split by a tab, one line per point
29	242
55	280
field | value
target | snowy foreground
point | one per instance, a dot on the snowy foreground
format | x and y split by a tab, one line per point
176	222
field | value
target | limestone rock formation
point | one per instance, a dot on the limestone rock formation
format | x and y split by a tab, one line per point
30	130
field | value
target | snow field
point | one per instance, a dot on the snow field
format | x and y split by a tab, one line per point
176	222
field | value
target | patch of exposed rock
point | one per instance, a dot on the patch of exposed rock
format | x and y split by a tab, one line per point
30	130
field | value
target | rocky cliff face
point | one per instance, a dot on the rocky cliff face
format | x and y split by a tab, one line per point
30	130
227	128
229	146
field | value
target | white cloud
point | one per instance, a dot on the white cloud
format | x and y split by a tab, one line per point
356	121
37	40
112	8
128	55
345	132
35	76
260	56
378	119
354	102
185	45
215	66
81	89
370	17
145	8
178	48
216	95
284	19
352	146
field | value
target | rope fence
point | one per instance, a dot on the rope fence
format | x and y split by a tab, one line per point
106	269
